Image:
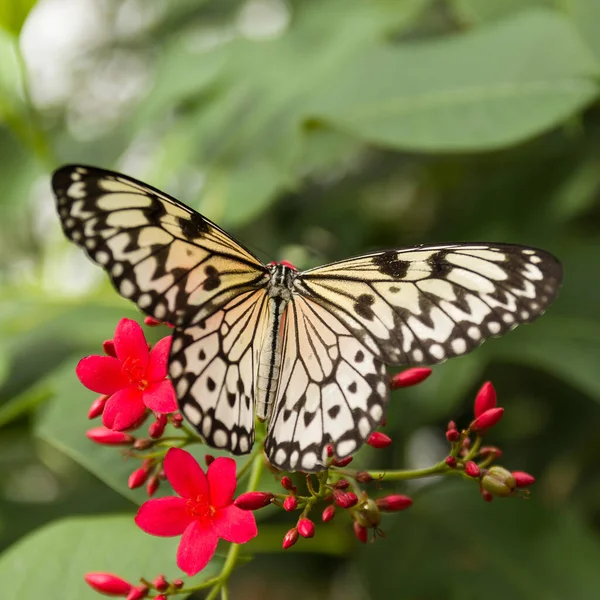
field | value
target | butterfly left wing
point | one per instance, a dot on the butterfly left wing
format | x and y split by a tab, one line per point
175	264
332	389
420	306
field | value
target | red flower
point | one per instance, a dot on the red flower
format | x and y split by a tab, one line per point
202	515
135	380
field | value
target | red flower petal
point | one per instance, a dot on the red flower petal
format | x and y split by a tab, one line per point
184	474
234	524
160	397
165	517
123	409
221	481
130	342
159	359
101	374
197	546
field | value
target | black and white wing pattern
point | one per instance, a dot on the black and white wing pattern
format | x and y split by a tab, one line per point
423	305
175	264
332	389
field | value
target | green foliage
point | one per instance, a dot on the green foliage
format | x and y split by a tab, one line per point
322	130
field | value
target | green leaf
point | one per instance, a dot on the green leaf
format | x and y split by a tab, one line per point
485	89
480	11
13	14
454	545
63	424
586	17
52	561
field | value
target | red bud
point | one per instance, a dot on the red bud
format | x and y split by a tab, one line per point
523	479
328	513
109	348
107	583
452	435
160	597
177	420
161	583
137	478
306	528
450	461
152	322
290	538
487	419
344	499
152	485
360	532
409	377
143	444
137	593
97	407
341	462
485	399
471	469
490	451
209	459
487	496
329	450
342	484
451	425
288	484
253	500
157	428
290	503
379	440
177	583
394	502
363	477
108	437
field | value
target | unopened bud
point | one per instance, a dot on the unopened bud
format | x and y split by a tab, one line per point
485	399
409	377
329	450
394	502
152	485
160	597
143	444
107	583
108	437
177	420
452	435
342	484
290	503
160	583
487	496
137	593
157	428
451	425
209	459
97	407
367	513
137	478
499	481
109	348
306	528
344	499
253	500
288	484
451	461
363	477
341	462
177	583
523	479
379	440
360	532
485	451
487	419
290	538
471	469
328	513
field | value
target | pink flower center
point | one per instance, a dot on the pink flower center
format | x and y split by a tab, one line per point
133	370
201	509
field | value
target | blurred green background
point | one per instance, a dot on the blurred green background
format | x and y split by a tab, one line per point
312	130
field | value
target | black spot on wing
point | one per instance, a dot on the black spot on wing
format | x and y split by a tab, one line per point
212	281
389	264
362	307
192	226
440	267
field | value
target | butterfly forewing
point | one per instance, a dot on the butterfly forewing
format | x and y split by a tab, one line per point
332	389
176	265
420	306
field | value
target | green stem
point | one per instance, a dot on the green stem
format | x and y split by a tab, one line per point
440	469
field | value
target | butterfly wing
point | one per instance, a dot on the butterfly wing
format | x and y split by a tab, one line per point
332	389
175	264
213	366
422	305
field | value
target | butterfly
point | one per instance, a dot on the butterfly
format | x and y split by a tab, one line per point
305	351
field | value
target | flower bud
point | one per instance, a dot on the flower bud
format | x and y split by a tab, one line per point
152	485
253	500
451	425
342	484
367	513
485	451
363	477
409	377
523	479
306	528
486	496
108	437
107	583
137	593
360	532
290	538
453	435
379	440
341	462
450	461
209	459
152	322
177	583
143	444
487	419
485	399
499	481
109	348
97	407
290	503
288	484
137	478
157	428
160	597
344	499
394	502
328	513
160	583
471	469
177	420
330	450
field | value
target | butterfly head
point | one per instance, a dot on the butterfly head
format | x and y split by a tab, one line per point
282	278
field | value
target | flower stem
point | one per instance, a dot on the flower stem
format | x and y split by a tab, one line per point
440	469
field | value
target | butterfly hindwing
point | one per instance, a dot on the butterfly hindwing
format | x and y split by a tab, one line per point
420	306
213	366
332	390
175	264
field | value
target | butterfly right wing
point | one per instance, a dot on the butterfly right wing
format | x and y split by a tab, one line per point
213	366
175	264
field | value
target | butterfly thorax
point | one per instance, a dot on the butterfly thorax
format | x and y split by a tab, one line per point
279	291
